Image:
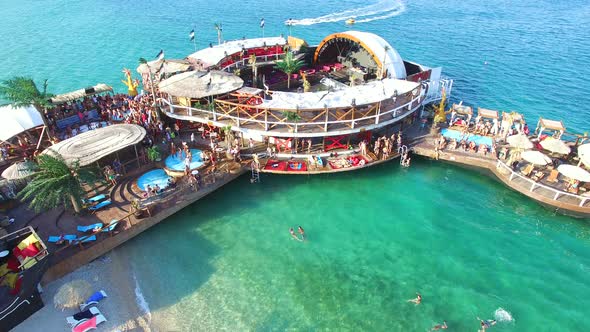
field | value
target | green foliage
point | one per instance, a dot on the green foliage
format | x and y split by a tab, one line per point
142	61
153	153
22	91
291	116
289	65
56	183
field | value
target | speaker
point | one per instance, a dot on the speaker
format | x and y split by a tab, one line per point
89	91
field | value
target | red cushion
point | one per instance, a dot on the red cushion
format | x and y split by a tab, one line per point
30	251
12	263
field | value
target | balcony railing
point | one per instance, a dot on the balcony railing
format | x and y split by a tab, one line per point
555	193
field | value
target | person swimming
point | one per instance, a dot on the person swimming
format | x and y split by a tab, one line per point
417	300
442	326
293	235
485	324
302	232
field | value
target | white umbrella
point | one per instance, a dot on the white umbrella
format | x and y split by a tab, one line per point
535	157
574	172
519	141
19	170
584	154
555	145
200	84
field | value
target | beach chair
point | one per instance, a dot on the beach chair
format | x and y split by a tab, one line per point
527	170
553	176
93	299
55	239
82	316
95	199
89	324
111	227
99	206
87	228
80	241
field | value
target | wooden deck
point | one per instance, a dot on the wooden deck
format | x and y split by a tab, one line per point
554	198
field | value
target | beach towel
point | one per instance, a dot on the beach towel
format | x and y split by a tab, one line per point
69	238
82	316
93	299
89	324
96	198
111	226
99	205
87	228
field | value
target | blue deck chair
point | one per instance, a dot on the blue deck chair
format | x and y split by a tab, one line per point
55	239
87	228
83	239
111	227
95	199
99	206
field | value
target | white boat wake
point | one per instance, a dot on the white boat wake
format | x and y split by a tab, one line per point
381	10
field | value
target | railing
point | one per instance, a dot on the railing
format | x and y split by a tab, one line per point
245	61
557	193
443	83
395	113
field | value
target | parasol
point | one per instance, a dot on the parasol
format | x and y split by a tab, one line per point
584	154
519	141
555	145
574	172
535	158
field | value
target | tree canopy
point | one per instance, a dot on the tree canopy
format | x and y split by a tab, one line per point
56	183
23	91
289	65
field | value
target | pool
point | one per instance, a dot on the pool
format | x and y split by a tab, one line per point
173	162
154	177
477	139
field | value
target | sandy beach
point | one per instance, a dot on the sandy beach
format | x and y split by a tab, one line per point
109	273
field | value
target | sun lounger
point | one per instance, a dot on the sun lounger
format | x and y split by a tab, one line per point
87	228
111	227
553	176
527	170
95	199
82	316
99	206
55	239
89	324
93	299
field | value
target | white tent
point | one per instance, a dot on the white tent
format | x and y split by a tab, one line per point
15	120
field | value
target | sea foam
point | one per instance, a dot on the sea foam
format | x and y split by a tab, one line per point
140	299
502	315
378	11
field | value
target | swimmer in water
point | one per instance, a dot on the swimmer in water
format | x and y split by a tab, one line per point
442	326
485	324
417	300
293	234
302	232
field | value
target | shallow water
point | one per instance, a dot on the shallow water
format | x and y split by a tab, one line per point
376	236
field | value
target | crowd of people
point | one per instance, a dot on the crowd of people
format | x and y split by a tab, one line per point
463	144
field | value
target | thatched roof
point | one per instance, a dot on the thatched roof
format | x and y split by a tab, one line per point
200	84
487	113
164	66
93	145
65	97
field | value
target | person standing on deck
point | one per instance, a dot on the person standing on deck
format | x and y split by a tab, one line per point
192	139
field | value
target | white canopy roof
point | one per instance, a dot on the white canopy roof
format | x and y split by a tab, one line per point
199	84
14	121
369	93
92	145
212	55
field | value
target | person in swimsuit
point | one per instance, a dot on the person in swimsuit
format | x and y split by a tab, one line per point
485	324
417	300
442	326
292	232
302	232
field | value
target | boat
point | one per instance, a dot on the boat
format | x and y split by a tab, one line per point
350	21
353	85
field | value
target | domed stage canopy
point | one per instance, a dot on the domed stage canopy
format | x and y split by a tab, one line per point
93	145
361	49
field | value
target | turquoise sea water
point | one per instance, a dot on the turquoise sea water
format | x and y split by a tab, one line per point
376	236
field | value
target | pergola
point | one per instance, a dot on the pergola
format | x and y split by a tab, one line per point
81	93
554	125
487	113
91	146
464	110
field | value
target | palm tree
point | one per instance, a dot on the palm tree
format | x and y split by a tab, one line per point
219	29
55	183
252	63
229	135
289	65
22	91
